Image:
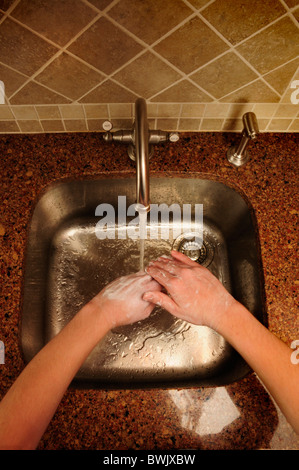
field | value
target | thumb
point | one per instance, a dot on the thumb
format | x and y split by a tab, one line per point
161	299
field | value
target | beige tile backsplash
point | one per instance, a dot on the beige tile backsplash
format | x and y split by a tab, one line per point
69	65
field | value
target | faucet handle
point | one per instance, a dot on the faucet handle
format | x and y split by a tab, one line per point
173	136
155	137
107	126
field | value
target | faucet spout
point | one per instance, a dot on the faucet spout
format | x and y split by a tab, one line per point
140	140
141	137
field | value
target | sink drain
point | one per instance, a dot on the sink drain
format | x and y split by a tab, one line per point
188	244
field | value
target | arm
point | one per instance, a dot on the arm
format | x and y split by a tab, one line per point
29	405
198	297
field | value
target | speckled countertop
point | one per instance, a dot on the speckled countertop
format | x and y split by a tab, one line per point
239	416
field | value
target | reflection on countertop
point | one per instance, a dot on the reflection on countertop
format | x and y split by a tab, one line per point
239	416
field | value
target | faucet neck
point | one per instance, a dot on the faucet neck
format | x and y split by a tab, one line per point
141	137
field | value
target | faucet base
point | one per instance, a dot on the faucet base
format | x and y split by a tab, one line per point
132	152
237	159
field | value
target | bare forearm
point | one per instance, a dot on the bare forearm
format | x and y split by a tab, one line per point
269	357
28	407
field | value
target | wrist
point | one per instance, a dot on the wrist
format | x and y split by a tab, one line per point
230	318
94	319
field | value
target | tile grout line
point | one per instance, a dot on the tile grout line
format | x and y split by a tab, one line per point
61	49
147	47
9	10
290	11
282	97
232	48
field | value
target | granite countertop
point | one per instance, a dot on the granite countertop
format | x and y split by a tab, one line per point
239	416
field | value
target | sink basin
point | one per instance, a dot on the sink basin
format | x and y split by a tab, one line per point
67	264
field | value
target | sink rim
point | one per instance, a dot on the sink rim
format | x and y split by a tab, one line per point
93	180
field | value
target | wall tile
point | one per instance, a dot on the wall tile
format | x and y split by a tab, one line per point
68	76
206	45
224	75
5	113
122	124
294	127
211	124
201	64
286	110
281	76
95	125
168	110
279	124
52	125
167	124
186	124
219	110
239	20
7	127
292	3
6	4
273	46
75	125
132	76
33	93
120	110
193	110
56	20
199	3
73	111
256	92
23	50
95	111
12	79
263	124
233	125
183	92
150	20
48	112
30	126
25	112
109	92
265	110
101	4
237	110
113	48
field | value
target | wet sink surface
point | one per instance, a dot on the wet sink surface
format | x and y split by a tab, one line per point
67	264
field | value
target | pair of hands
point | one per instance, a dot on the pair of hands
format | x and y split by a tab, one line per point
193	293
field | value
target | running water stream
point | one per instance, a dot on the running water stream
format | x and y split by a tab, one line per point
142	235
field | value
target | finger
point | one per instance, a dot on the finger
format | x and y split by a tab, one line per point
169	260
172	266
177	255
158	298
160	275
153	285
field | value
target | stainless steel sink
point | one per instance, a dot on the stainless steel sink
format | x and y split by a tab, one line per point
66	265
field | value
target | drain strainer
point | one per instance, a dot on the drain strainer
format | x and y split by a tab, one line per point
189	244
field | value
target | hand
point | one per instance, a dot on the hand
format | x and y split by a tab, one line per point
195	294
121	302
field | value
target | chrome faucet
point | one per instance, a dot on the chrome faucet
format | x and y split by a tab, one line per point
237	156
141	147
140	140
